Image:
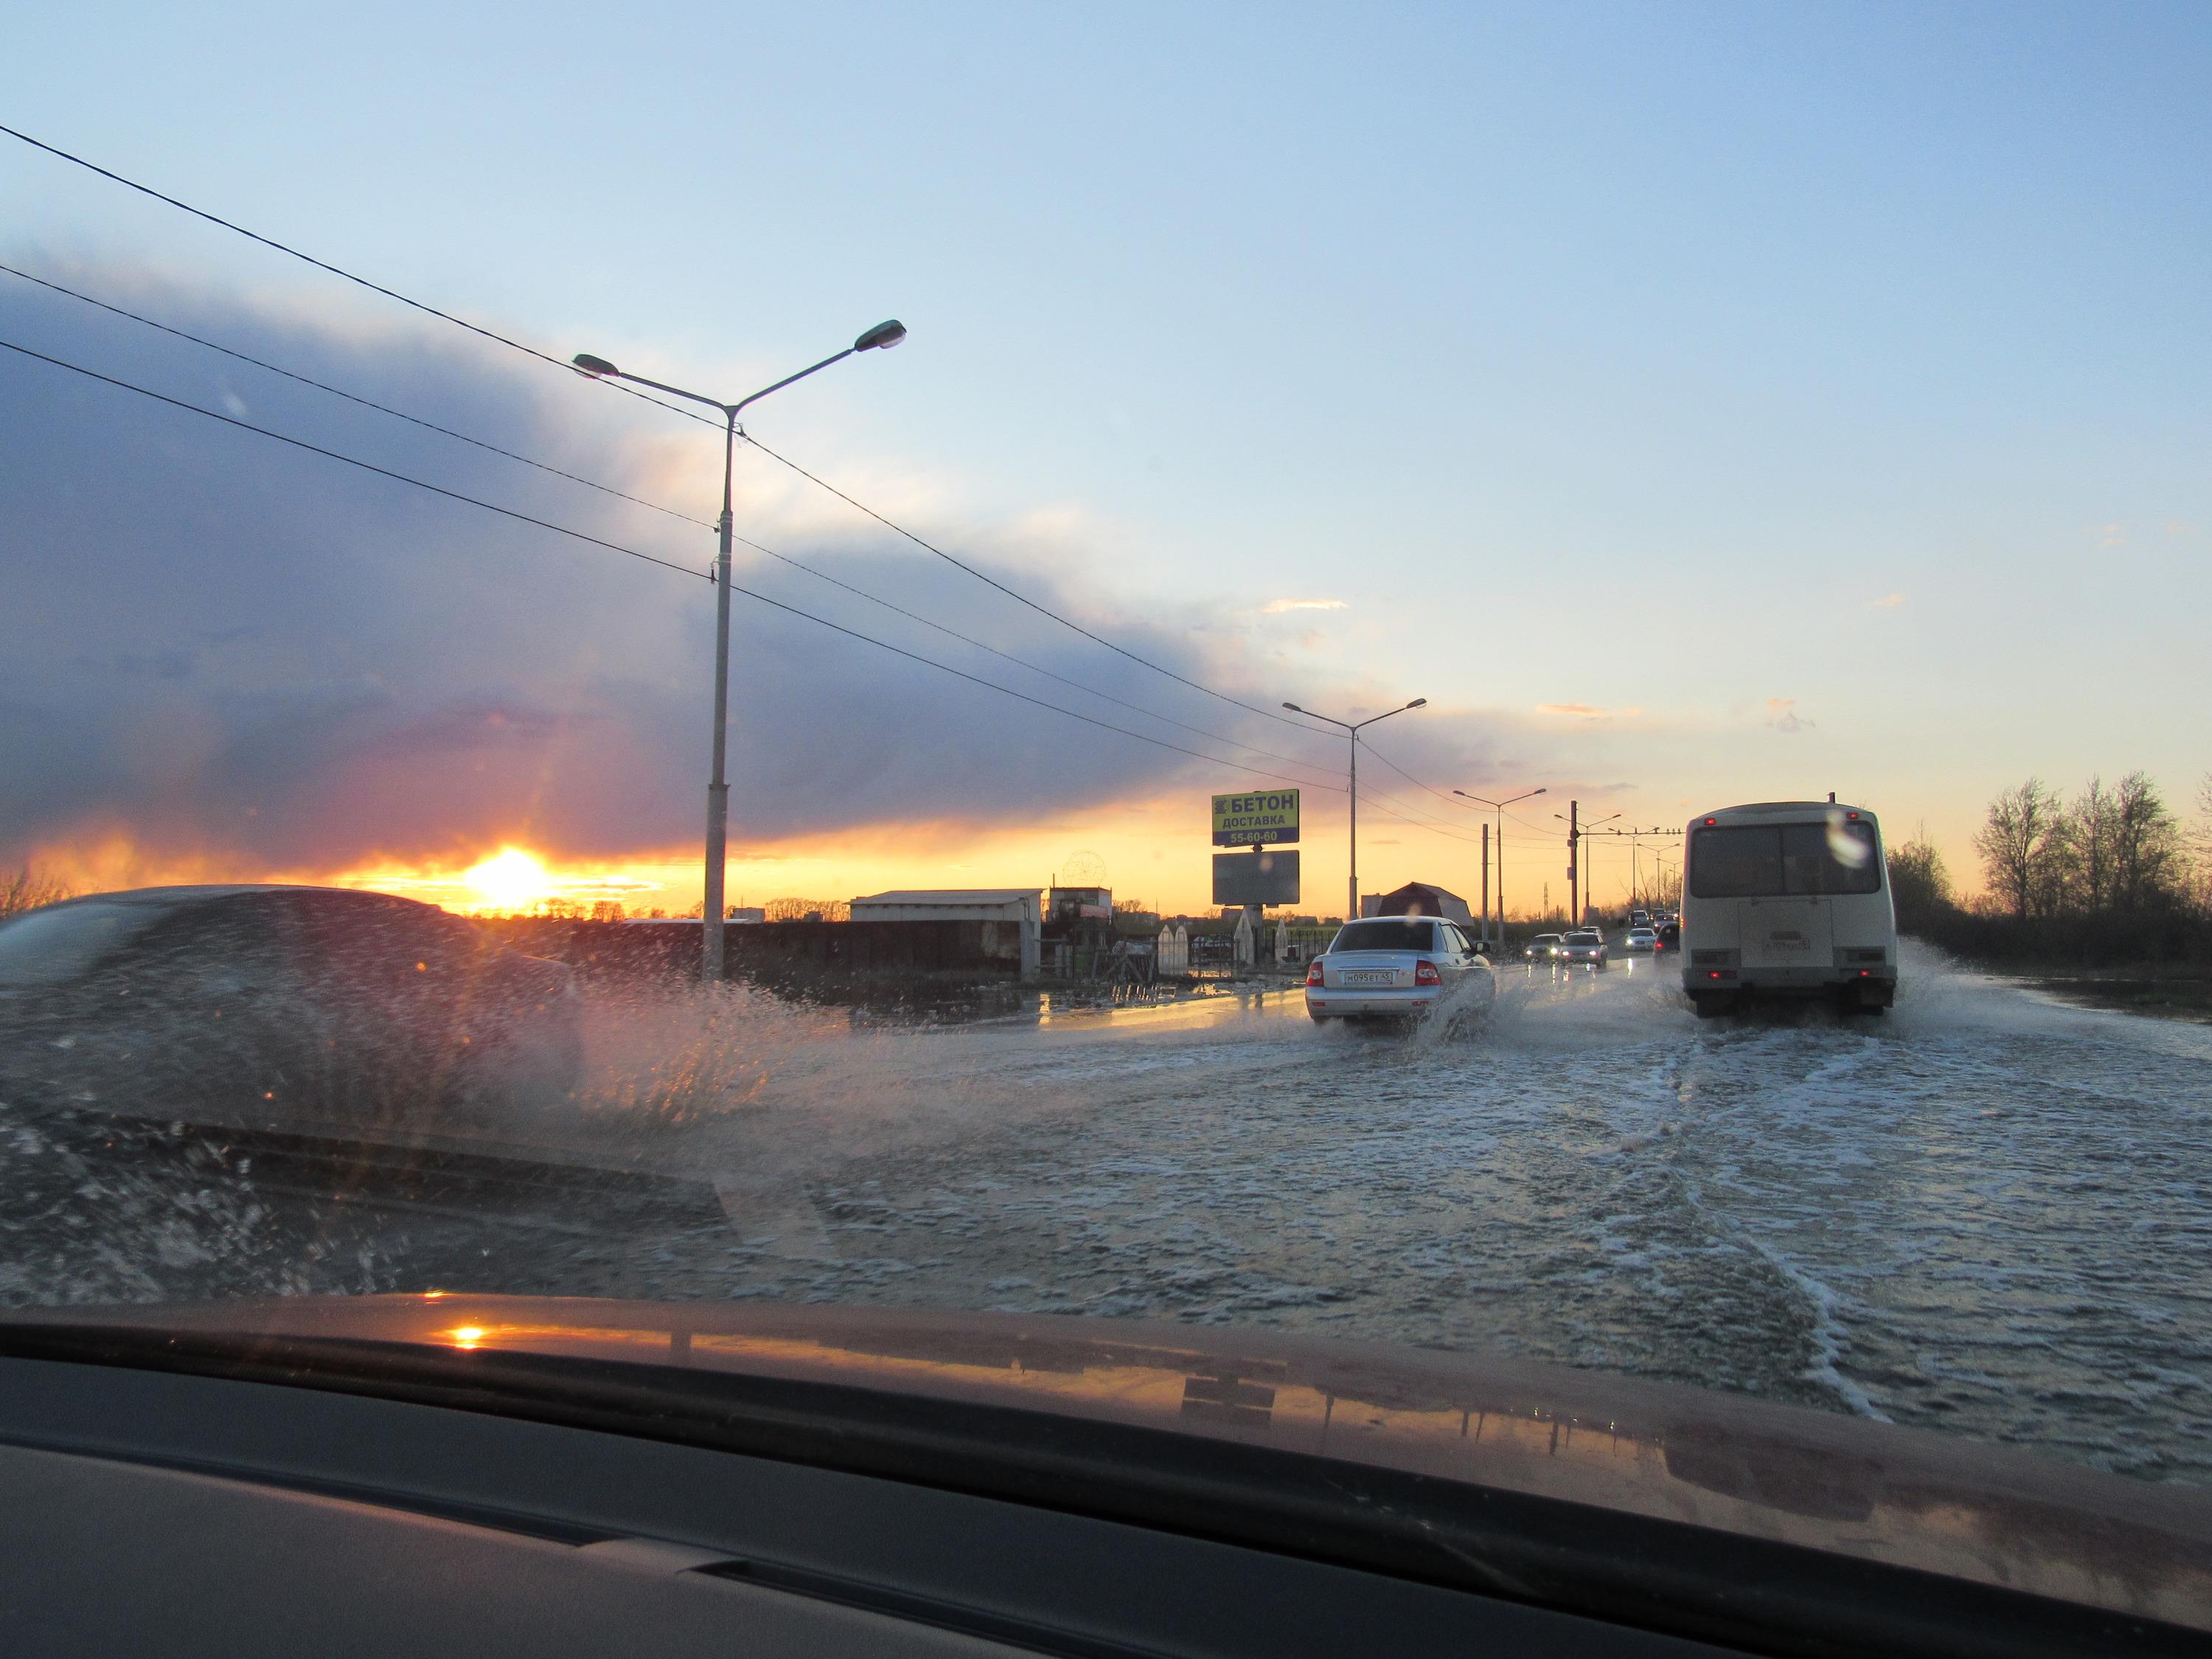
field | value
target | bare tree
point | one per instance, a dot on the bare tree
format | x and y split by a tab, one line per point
2086	852
2016	845
807	909
2200	845
27	889
2147	848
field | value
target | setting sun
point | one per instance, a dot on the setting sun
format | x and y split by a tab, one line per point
511	879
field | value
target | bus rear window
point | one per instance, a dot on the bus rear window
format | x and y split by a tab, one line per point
1784	861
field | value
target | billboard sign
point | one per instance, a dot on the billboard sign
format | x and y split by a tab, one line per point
1257	819
1256	878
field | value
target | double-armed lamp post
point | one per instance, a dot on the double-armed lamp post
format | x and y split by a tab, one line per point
1499	806
880	338
1354	728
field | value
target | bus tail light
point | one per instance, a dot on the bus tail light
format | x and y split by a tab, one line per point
1425	973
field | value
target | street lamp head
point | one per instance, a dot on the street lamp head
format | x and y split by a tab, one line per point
1540	790
882	337
1294	708
1418	702
597	368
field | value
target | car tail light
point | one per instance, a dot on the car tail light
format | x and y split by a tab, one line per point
1425	973
1313	971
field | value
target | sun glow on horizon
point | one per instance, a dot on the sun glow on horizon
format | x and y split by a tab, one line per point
510	879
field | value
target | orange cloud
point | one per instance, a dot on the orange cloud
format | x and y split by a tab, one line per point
1584	711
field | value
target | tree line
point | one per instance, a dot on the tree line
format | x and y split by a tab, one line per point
2112	873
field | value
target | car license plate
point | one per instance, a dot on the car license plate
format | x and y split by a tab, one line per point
1385	978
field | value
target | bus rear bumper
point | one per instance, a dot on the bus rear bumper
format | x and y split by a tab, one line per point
1876	987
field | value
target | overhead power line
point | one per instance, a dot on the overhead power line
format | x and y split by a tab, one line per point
623	494
1021	662
1409	777
1018	598
615	547
365	466
547	357
340	272
1370	800
976	679
1515	817
354	398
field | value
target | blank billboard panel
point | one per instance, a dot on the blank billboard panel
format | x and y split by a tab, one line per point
1269	876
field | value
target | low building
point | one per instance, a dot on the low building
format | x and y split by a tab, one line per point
1417	898
1009	920
1069	907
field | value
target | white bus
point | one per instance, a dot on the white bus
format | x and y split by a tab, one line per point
1787	898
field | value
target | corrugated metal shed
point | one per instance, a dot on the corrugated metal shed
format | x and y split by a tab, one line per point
949	904
1022	907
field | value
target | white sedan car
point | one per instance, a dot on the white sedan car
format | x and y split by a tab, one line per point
1584	945
1642	941
1386	966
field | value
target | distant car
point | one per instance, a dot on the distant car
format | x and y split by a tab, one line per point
1542	948
1670	936
1396	967
262	1007
1639	918
1585	944
1641	941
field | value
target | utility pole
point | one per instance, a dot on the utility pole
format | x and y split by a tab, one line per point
1352	904
1486	883
1574	849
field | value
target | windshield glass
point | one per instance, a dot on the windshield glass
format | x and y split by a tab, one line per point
802	624
1391	933
44	947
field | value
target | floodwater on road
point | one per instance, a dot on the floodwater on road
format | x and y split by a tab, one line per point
1986	1212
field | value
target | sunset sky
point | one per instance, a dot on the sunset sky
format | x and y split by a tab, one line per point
1695	405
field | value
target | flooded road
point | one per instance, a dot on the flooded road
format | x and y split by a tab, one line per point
1985	1213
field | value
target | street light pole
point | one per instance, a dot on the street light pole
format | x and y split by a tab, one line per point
882	336
1499	807
1354	728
